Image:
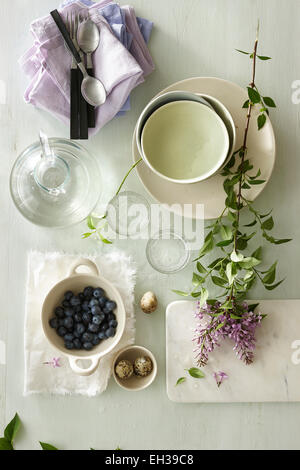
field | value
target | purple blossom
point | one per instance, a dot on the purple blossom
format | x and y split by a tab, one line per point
220	377
214	324
55	362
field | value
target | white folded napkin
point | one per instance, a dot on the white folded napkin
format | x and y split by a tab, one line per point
41	373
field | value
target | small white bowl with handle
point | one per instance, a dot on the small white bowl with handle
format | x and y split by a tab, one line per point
76	282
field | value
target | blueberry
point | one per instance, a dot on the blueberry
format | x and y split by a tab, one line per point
104	326
80	329
88	291
68	323
68	337
98	292
113	323
96	310
75	301
68	295
59	312
97	319
65	303
87	317
96	340
93	302
87	337
77	309
53	322
61	331
85	305
110	305
110	332
102	301
93	328
69	344
77	343
61	322
111	316
101	335
78	318
69	312
88	346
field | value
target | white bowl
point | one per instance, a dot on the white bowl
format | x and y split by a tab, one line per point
159	101
185	142
134	383
77	282
226	117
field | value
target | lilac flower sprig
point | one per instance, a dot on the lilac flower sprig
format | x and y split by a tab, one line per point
220	377
214	325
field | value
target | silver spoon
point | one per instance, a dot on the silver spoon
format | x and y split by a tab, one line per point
88	37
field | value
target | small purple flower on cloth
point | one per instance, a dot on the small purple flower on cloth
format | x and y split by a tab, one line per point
55	362
220	377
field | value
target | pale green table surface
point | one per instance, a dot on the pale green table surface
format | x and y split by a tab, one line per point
190	38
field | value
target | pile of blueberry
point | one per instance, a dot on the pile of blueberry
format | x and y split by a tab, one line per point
85	319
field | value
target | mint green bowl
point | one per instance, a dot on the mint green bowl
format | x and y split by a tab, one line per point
185	142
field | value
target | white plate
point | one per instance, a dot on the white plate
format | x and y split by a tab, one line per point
210	193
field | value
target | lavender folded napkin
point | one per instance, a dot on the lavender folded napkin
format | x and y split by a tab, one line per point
121	61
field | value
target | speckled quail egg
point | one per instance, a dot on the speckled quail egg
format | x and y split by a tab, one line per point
124	369
143	366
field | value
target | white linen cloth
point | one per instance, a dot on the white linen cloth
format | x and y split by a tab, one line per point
44	271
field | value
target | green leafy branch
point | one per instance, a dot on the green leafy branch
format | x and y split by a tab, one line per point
10	432
98	231
234	270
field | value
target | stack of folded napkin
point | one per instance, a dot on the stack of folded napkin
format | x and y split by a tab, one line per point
121	62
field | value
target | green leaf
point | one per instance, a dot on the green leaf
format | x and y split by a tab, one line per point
269	102
46	446
283	240
250	262
263	216
236	257
246	104
12	428
204	296
256	182
207	246
224	243
261	121
103	239
196	373
257	253
197	280
269	278
274	285
251	224
200	268
264	57
252	307
245	186
218	281
86	235
90	223
268	224
254	96
220	326
256	176
226	232
180	292
243	52
195	295
231	272
180	381
5	444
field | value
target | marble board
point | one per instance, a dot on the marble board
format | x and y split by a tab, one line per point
274	375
